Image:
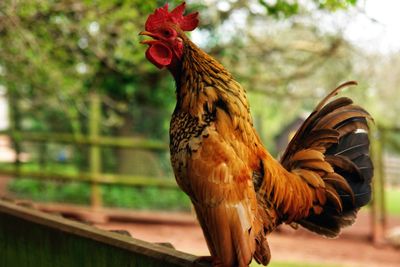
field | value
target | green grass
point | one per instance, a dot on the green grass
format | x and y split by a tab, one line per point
151	198
52	167
50	191
393	201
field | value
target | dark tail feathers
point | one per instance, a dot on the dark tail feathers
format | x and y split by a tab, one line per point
338	129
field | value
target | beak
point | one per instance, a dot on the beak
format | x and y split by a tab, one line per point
148	42
148	34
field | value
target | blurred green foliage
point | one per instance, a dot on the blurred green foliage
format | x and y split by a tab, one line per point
392	196
150	198
70	192
284	8
54	53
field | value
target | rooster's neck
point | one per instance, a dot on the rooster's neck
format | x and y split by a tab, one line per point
204	84
208	94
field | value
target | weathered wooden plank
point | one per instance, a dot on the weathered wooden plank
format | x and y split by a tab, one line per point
118	214
31	238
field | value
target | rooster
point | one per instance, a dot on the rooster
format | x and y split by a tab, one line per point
239	191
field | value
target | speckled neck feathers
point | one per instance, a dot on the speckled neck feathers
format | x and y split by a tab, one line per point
204	84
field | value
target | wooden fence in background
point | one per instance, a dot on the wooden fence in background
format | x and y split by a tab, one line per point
94	140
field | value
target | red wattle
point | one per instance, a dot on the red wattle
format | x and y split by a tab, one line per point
159	54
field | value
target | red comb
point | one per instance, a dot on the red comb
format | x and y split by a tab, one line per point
161	15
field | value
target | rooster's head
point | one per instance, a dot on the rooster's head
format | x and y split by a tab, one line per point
167	30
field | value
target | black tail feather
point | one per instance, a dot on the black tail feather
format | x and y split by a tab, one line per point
339	129
354	147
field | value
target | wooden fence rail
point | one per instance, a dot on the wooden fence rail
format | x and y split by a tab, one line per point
29	238
78	139
102	178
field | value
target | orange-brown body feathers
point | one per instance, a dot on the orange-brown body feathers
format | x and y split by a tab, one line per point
239	191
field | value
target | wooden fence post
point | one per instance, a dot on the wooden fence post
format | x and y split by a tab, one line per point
382	176
94	151
14	117
378	209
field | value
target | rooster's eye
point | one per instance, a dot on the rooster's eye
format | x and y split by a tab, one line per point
167	33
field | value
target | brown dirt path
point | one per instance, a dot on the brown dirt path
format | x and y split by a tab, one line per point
352	248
